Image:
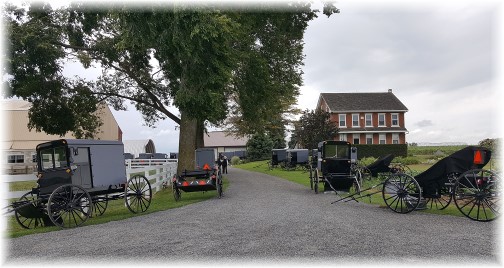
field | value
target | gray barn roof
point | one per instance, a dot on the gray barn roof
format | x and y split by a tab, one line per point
221	139
376	101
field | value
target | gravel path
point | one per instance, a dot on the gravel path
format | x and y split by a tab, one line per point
267	219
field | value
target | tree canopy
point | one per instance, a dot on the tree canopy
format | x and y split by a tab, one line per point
312	128
216	65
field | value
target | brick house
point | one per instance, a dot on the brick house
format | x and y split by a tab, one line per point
366	118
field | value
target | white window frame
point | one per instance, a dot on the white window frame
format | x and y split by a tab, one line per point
392	120
355	137
369	136
395	138
340	121
370	120
382	137
353	120
16	157
343	137
384	120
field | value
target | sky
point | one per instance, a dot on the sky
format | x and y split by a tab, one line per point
440	58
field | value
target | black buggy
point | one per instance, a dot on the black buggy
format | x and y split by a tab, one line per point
458	177
383	165
278	158
76	179
334	169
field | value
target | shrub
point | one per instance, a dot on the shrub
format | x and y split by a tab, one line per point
367	161
235	160
407	160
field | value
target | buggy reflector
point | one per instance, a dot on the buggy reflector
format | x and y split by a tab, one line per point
206	167
478	157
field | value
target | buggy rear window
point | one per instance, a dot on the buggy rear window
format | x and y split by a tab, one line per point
336	151
52	158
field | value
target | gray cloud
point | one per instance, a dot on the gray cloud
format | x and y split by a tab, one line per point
424	123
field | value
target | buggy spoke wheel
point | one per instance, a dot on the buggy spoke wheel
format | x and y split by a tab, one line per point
439	202
311	178
29	221
100	204
176	192
401	193
316	181
138	194
476	194
69	206
219	184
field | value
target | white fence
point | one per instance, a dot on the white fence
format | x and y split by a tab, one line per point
156	171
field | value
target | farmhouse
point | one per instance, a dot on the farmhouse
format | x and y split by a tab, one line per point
19	142
366	118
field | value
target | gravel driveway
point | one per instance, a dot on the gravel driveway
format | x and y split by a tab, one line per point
267	219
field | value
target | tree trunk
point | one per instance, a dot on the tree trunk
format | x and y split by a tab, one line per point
190	139
187	143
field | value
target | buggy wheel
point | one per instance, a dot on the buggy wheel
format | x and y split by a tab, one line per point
365	173
69	206
311	178
176	192
138	194
316	181
100	204
30	222
441	201
400	168
476	195
219	184
357	184
401	193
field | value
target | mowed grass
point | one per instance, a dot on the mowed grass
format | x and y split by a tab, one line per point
372	196
116	210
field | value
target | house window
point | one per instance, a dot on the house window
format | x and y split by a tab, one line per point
395	138
369	138
15	158
395	120
343	137
342	120
356	138
381	120
382	139
369	120
355	120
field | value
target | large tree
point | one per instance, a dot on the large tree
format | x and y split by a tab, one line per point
209	61
312	128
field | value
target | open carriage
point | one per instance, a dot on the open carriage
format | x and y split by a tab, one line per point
335	160
458	177
206	177
76	179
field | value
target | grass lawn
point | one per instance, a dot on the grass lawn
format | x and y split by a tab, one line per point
302	177
116	210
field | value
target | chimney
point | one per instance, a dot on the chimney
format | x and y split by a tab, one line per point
389	90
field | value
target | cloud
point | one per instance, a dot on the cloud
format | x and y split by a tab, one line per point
424	123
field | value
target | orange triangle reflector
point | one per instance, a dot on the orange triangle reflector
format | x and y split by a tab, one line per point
478	159
206	167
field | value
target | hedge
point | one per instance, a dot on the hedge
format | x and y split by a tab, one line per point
377	150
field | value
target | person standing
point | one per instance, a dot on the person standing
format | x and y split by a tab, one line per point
224	165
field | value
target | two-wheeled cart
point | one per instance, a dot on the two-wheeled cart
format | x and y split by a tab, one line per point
76	179
206	177
459	177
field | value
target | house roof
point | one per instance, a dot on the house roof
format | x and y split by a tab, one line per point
375	101
223	139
